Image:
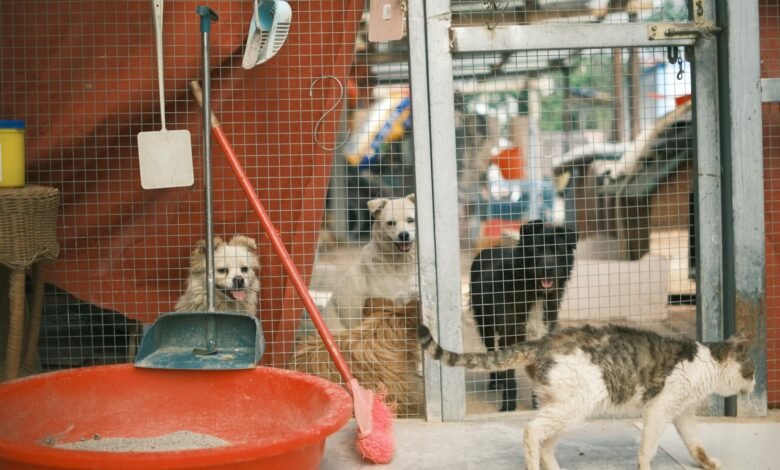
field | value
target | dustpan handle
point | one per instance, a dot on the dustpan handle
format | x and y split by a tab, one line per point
207	15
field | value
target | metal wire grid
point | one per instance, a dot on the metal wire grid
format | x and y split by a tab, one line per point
82	74
600	142
86	85
497	12
770	69
274	128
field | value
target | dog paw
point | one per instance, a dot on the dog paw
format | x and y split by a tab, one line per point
508	406
711	464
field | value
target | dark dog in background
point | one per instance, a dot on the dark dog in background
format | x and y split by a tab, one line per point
516	291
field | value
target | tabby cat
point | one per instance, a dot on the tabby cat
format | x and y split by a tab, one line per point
584	371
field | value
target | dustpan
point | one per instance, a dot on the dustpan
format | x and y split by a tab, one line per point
203	340
268	30
198	340
164	156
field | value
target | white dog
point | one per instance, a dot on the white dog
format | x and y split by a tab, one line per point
387	266
235	274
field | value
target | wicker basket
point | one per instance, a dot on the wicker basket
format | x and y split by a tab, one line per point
28	225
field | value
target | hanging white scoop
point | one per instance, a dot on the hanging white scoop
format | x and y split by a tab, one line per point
267	31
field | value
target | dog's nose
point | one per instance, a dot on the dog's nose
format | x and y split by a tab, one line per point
404	237
238	282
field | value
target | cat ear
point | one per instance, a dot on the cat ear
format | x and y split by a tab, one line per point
741	341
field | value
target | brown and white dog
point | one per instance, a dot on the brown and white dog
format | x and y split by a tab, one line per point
387	267
382	354
237	284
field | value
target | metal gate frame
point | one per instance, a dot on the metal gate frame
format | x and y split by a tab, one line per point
729	197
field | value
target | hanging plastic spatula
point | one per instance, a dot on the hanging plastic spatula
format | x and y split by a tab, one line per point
165	156
267	31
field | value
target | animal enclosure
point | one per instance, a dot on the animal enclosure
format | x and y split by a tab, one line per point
389	154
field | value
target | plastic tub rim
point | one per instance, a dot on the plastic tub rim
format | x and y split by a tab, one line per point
337	416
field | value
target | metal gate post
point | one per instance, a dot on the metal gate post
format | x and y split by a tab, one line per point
707	194
744	260
436	177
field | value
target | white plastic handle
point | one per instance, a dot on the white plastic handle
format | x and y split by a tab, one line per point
157	13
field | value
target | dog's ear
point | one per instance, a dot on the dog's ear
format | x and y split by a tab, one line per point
372	304
198	257
528	230
411	198
218	241
412	308
375	206
532	227
569	237
242	240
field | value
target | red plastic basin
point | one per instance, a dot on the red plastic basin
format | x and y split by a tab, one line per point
273	418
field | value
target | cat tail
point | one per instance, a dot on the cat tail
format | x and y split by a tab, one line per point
492	360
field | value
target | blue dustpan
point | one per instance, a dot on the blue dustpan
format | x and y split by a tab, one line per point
203	340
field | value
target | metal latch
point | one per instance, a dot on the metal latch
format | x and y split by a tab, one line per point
682	30
701	27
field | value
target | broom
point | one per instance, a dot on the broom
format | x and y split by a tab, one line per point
374	418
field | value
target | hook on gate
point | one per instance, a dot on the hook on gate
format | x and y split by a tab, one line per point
681	72
322	118
491	23
675	58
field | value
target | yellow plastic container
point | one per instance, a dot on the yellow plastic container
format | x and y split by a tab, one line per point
12	153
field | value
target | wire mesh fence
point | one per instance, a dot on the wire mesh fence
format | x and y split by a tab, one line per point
770	69
597	144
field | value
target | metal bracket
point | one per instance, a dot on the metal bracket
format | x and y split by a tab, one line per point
658	31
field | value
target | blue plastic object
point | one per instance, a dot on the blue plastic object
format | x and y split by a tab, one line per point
207	15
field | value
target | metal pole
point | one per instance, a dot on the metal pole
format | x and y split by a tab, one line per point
207	15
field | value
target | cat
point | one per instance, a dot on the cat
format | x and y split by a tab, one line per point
583	371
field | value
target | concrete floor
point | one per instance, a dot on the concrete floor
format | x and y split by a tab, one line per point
493	441
740	444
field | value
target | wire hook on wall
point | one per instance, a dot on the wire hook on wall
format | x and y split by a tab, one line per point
322	118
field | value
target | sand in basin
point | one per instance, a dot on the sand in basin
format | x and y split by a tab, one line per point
180	440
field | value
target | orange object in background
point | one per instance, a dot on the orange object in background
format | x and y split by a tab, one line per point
272	418
511	162
681	100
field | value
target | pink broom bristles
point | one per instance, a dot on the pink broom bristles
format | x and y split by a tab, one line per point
378	446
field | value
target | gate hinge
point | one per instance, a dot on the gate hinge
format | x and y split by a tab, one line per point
658	31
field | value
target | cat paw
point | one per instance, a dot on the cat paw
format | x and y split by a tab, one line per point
706	462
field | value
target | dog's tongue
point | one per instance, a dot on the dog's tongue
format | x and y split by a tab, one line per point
547	283
404	246
239	295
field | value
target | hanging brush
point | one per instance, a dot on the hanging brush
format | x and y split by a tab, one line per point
267	31
374	419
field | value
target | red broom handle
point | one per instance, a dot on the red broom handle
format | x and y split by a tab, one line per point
276	242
